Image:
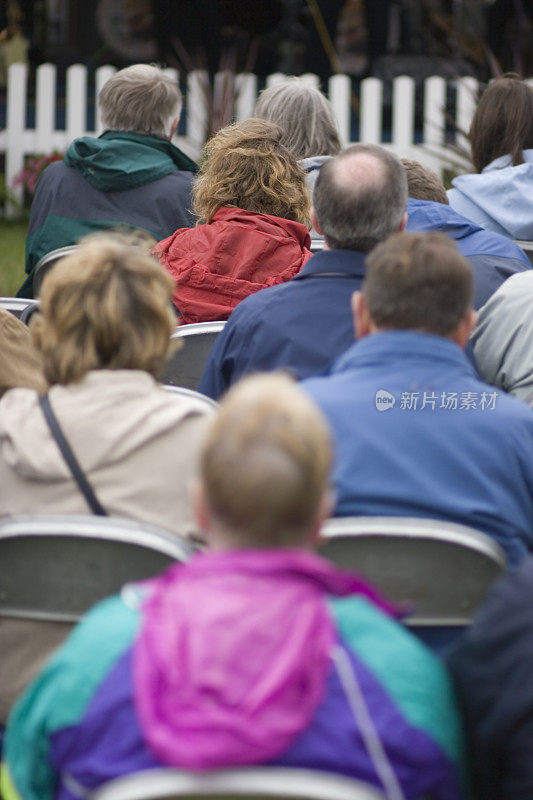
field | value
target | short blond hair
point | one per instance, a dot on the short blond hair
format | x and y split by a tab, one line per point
246	166
266	462
107	306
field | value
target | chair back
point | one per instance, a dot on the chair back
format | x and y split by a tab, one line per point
45	264
54	568
250	783
440	570
18	305
180	391
185	367
317	245
527	247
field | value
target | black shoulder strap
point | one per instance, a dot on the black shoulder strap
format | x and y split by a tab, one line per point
71	461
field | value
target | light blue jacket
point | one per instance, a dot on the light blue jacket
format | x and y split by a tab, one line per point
500	198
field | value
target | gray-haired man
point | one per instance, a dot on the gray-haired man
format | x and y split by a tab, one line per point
131	175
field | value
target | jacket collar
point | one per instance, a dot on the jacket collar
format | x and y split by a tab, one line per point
267	223
398	347
427	215
349	262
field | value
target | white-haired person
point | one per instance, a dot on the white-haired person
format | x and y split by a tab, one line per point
256	651
131	176
307	119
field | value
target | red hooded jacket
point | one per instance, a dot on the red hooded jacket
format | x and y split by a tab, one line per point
218	264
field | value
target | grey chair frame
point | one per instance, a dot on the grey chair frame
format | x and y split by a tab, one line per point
527	247
45	264
54	567
178	372
262	783
17	305
405	557
191	394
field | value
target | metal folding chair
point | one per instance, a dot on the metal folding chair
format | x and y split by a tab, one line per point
45	264
439	569
18	305
185	367
252	783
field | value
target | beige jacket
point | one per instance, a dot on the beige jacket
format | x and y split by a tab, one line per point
137	444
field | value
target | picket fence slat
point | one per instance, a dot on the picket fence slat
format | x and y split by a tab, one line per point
246	94
403	109
466	105
371	111
198	90
434	111
237	93
340	95
76	100
45	114
15	124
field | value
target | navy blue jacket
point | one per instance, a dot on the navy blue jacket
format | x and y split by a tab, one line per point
302	325
492	667
418	434
493	258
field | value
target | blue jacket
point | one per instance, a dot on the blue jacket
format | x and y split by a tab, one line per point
302	325
493	257
417	434
500	198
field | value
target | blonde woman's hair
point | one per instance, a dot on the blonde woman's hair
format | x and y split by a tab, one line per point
266	462
140	99
107	306
246	166
304	115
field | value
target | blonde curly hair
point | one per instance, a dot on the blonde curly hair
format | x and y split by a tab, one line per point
246	166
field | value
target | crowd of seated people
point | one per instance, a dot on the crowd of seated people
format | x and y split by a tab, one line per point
256	651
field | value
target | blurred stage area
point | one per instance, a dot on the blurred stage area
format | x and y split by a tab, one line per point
358	37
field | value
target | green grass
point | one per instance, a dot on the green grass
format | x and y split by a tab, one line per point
12	242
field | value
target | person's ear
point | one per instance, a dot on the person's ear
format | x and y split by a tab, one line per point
314	220
199	504
361	317
403	223
461	335
173	128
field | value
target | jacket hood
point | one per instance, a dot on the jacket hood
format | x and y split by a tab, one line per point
26	444
218	264
426	215
117	160
500	197
234	653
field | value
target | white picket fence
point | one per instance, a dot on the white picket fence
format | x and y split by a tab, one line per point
16	140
